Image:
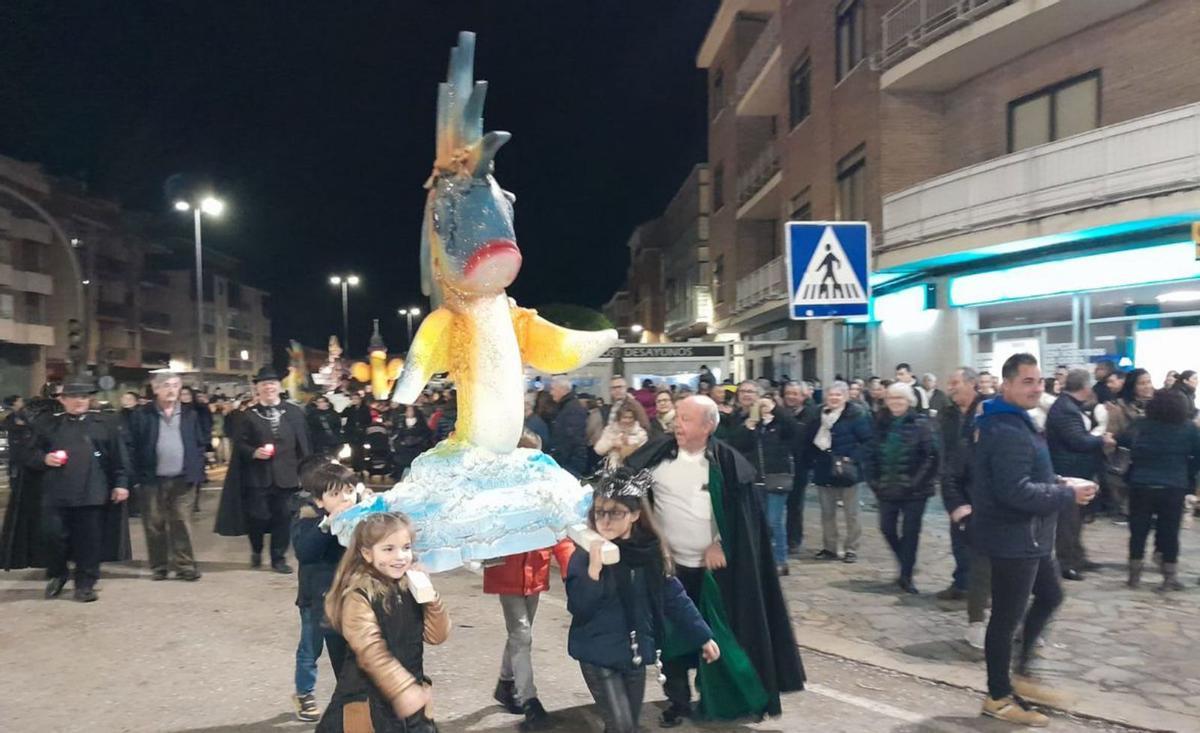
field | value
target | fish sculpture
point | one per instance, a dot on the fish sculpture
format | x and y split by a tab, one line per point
476	495
378	372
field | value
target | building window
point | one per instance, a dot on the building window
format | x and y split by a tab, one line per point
718	193
718	272
851	37
33	309
6	306
852	186
1067	108
801	207
800	93
717	97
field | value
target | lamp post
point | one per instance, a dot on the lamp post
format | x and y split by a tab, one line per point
346	281
212	206
410	313
636	329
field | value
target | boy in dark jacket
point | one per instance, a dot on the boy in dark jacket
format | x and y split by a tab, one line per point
328	489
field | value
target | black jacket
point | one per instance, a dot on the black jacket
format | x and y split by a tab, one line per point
958	448
568	436
409	442
1073	450
1016	497
1164	455
291	446
851	438
768	446
318	553
750	592
325	429
144	424
97	461
904	457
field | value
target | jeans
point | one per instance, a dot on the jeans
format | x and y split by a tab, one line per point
1013	579
676	688
1162	508
903	543
516	664
776	505
74	532
165	519
313	636
960	547
795	509
848	495
618	694
278	524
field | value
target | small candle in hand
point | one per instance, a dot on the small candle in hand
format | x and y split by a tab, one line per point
60	455
269	449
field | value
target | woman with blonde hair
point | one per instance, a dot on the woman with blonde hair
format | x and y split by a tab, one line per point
372	604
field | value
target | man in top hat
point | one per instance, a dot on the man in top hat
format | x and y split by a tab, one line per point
268	444
82	457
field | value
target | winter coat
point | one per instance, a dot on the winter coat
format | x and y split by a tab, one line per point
568	436
1074	451
144	424
97	461
325	429
527	573
905	457
408	442
538	427
614	438
660	427
1164	455
958	451
851	438
1016	497
768	447
291	445
317	552
600	631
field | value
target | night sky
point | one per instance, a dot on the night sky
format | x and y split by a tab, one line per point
315	122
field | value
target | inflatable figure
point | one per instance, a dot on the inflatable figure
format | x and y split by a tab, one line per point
298	382
380	373
477	496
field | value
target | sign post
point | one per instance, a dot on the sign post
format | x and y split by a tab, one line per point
829	264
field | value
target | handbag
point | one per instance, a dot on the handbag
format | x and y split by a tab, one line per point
844	471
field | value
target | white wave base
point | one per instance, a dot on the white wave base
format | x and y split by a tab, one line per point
469	504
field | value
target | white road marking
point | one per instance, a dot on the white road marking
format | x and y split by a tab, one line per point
885	709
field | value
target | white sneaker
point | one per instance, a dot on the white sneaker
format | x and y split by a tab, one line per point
976	632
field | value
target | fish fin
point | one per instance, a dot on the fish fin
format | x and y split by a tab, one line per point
428	355
554	349
361	372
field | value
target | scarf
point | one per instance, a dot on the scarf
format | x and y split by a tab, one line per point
272	414
829	418
643	552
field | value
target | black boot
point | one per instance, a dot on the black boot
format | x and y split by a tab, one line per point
536	717
506	695
54	587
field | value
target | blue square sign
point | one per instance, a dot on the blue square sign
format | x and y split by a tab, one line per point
829	263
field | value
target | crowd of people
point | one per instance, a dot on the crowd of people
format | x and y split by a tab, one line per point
701	486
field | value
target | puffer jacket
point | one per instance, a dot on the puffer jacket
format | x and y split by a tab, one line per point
904	457
1164	455
527	573
1074	451
1016	497
851	437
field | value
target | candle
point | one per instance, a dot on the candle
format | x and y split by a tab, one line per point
61	455
269	448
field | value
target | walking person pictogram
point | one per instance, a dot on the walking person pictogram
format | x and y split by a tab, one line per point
830	263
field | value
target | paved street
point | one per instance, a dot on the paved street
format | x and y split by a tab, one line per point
217	655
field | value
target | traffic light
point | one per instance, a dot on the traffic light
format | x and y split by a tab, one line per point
75	342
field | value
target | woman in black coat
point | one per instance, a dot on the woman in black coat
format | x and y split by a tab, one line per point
1164	461
904	462
410	438
325	427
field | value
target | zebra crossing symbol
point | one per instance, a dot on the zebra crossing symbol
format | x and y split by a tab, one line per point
828	269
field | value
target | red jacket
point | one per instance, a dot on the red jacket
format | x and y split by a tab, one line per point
528	573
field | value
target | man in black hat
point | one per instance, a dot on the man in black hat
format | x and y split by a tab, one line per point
268	445
85	468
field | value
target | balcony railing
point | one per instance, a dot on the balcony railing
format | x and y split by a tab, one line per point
694	308
156	320
1147	156
756	60
767	283
759	172
156	358
913	25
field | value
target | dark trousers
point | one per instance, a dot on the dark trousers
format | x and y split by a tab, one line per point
1068	544
676	688
1013	580
618	694
1162	509
165	519
277	523
903	539
960	547
74	533
795	510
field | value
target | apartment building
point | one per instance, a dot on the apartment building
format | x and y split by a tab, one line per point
1029	169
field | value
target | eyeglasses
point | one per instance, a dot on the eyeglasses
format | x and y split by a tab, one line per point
616	514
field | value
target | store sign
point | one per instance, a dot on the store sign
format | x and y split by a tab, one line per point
666	351
828	268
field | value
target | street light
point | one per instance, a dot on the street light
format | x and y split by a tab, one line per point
346	282
212	206
411	313
636	329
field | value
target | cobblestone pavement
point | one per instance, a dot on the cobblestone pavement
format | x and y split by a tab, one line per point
216	656
1117	648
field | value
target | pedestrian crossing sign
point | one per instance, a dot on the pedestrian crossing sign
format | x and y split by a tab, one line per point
828	267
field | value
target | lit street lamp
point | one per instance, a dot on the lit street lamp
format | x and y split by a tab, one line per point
411	313
346	281
636	329
213	207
